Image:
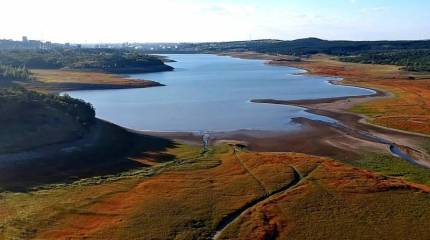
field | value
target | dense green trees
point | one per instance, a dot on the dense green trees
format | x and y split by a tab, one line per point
412	60
107	60
29	119
413	55
81	111
314	45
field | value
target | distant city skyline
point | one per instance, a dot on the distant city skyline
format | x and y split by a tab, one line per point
111	21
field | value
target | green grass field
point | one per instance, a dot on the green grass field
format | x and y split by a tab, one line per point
388	165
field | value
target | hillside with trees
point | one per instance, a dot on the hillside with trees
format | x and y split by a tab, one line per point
29	119
341	48
413	55
412	60
101	60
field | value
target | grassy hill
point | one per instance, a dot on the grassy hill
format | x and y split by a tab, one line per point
182	192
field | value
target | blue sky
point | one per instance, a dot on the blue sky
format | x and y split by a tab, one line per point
210	20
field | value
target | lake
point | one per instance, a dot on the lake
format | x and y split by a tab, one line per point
213	93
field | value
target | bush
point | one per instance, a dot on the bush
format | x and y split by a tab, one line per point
9	73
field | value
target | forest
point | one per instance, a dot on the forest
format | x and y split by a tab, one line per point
10	98
104	60
412	55
412	60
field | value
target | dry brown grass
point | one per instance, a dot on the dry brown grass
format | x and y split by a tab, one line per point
189	197
55	80
408	110
193	194
338	202
181	204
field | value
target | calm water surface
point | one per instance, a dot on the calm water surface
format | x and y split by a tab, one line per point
212	93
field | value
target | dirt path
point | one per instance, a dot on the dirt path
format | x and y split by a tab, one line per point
243	165
230	218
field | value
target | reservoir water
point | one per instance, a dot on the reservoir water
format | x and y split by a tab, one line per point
212	93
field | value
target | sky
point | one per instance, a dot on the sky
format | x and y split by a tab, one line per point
114	21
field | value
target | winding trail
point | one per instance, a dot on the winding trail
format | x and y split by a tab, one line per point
232	217
243	165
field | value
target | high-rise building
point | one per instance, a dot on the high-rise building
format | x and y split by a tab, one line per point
24	39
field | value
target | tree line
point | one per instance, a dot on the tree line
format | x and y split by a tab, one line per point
413	55
108	60
81	111
412	60
9	73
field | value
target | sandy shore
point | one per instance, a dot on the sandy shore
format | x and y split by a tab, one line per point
344	140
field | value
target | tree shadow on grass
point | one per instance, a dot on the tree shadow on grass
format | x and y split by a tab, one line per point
113	152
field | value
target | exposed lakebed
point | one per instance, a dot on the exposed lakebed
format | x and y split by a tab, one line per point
213	93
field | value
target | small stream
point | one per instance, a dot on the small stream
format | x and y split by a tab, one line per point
393	147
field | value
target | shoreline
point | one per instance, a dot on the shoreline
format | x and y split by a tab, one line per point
358	131
328	138
57	81
345	141
337	107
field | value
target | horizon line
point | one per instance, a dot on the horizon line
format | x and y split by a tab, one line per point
224	41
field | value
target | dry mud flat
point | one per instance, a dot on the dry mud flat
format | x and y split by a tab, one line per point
398	112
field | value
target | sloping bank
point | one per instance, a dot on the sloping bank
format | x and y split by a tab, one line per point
405	142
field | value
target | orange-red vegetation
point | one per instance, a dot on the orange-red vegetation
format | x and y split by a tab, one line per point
408	109
189	200
181	204
339	202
